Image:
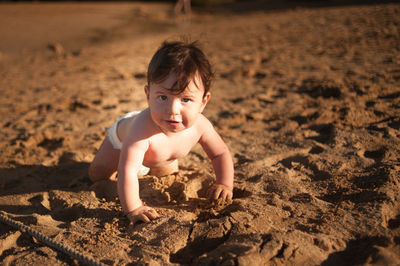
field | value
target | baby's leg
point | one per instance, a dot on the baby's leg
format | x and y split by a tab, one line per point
166	169
105	162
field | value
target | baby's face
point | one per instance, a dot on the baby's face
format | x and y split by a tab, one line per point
174	113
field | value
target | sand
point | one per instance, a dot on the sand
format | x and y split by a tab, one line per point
306	98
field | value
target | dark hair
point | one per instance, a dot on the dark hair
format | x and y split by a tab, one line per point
183	59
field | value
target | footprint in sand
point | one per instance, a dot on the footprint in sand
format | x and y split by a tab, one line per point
377	154
44	108
317	174
51	144
394	223
304	119
320	88
109	107
75	105
327	133
391	220
255	178
47	221
97	102
41	202
373	180
373	155
61	210
139	75
317	149
69	214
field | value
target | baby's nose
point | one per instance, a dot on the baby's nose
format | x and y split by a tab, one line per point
175	106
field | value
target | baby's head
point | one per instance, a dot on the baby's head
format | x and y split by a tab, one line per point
185	60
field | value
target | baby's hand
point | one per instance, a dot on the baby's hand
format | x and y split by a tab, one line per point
219	191
143	213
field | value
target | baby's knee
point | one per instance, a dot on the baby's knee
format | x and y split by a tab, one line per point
93	172
99	172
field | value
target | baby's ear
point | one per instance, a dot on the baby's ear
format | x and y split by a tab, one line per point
205	100
147	91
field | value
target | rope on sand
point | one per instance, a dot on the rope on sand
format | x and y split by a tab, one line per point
48	241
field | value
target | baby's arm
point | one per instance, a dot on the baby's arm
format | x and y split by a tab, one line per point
131	159
221	160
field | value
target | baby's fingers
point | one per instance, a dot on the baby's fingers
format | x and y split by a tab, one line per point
140	217
215	193
152	214
144	214
226	195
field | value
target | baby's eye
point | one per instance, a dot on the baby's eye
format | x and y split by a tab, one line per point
162	97
186	100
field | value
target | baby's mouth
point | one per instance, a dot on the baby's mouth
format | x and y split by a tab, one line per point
173	122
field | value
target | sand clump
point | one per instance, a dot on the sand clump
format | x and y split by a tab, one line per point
307	99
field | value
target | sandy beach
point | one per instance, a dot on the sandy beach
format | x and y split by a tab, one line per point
306	96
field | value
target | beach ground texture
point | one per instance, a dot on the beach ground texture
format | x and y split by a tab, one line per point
307	97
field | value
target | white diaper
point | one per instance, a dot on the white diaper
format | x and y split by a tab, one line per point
117	144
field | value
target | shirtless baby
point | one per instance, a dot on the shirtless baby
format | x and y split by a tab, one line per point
177	91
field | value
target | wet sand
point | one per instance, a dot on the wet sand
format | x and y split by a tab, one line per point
306	98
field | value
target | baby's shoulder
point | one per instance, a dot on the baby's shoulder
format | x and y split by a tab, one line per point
140	125
141	120
203	124
203	121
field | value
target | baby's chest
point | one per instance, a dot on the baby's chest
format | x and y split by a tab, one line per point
166	149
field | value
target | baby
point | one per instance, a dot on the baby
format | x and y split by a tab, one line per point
177	91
